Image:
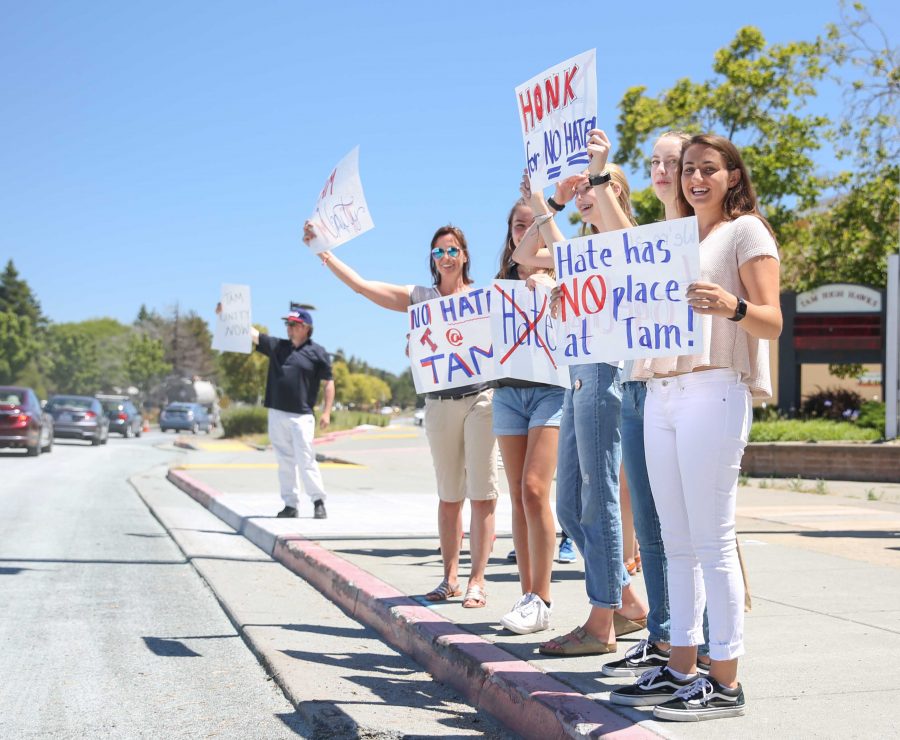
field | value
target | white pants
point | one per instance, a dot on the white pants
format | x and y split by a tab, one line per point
695	429
291	436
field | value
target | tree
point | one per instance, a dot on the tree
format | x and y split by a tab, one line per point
243	377
75	361
144	361
16	297
756	99
18	345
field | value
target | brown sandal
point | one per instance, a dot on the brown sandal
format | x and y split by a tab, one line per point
443	592
577	642
625	626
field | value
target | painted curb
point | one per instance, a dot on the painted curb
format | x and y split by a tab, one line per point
522	697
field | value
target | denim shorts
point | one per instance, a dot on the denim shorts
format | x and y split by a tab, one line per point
517	410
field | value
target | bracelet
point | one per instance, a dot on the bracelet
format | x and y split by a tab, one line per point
554	205
543	218
600	179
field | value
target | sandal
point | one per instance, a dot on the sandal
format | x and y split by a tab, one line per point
475	597
625	626
443	592
577	642
633	566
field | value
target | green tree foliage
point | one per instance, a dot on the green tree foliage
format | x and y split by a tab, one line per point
144	361
243	377
366	391
74	357
756	98
18	345
16	297
111	339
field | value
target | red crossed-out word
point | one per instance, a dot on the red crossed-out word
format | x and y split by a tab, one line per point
543	98
529	327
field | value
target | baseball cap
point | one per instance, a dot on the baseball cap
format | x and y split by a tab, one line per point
300	316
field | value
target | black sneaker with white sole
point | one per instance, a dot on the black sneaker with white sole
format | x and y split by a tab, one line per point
643	656
655	686
704	699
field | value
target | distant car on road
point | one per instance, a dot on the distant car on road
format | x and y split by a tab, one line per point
124	417
419	417
23	423
190	417
79	417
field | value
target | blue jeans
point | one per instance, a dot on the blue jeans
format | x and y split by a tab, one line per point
646	520
587	479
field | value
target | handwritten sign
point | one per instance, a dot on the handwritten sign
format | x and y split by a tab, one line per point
556	110
524	334
341	212
232	332
622	293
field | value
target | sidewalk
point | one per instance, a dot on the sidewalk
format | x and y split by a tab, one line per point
822	639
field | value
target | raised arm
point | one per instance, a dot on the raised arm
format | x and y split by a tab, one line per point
386	295
611	212
532	250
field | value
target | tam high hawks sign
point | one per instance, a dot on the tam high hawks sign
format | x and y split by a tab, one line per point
556	110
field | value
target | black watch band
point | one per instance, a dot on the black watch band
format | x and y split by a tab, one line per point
740	311
600	179
555	206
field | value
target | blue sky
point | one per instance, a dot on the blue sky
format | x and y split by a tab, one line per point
150	151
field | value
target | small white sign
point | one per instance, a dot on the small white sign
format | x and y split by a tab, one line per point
341	212
839	298
556	110
232	332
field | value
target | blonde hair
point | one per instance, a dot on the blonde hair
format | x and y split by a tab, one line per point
624	198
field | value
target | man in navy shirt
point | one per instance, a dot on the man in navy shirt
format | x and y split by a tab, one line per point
297	366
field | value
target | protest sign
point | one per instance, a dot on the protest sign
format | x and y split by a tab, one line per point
341	212
232	332
557	109
622	293
524	334
450	341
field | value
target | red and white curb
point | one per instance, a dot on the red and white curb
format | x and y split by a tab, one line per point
525	699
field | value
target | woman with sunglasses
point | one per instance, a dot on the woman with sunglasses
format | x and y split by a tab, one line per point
697	421
587	480
526	422
457	421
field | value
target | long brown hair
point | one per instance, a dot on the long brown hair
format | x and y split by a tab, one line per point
740	200
507	266
463	245
624	198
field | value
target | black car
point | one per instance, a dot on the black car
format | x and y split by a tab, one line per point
22	421
124	417
79	417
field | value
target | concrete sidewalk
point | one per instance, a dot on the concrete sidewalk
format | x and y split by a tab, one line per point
822	639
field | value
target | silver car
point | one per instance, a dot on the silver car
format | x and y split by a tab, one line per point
79	417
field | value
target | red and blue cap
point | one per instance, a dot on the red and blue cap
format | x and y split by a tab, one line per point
299	316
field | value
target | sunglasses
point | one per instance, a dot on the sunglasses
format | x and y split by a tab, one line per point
438	252
289	324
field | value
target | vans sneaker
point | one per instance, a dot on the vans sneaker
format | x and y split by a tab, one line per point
655	686
530	614
566	550
641	657
704	699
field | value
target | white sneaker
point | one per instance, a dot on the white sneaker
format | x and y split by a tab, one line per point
529	614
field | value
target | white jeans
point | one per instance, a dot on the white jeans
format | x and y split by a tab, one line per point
695	429
291	436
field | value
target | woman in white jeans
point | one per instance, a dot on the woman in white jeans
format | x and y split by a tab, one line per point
696	424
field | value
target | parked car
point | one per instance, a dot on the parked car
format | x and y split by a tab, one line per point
419	417
79	417
191	417
23	423
124	417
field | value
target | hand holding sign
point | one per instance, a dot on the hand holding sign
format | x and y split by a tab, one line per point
232	333
598	150
341	212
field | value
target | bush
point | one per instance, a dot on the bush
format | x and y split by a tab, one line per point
240	420
833	403
817	430
871	416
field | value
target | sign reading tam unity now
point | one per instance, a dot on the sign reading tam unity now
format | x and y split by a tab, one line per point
556	110
623	293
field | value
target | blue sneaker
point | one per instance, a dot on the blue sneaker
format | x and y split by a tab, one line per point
566	551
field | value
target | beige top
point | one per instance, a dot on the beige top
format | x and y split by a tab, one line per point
725	343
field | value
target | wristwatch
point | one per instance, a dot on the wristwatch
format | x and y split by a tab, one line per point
740	311
600	179
555	206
